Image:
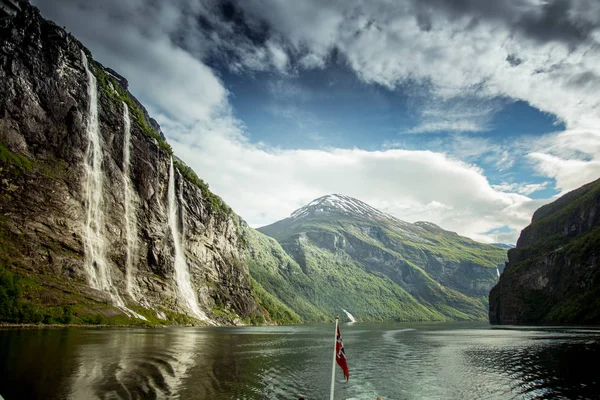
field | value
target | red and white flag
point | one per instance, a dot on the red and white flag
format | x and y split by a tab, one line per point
340	355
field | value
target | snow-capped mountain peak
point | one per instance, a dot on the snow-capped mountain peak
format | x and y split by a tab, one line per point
339	204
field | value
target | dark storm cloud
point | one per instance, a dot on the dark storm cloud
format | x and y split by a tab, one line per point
514	60
383	42
569	21
556	21
236	33
214	31
256	31
553	20
584	79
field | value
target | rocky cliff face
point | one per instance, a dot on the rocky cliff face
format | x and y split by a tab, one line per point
85	216
349	255
553	275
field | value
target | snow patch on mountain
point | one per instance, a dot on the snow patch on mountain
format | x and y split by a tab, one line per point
336	204
425	224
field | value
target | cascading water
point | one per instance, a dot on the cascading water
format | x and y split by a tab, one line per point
95	259
350	316
96	264
182	274
130	215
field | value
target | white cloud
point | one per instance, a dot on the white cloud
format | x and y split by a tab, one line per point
312	61
279	57
569	174
522	188
447	126
266	184
571	157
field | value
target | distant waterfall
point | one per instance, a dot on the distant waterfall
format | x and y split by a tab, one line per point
350	317
182	274
130	214
96	264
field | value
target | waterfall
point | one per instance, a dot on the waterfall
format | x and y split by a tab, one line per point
350	317
182	274
96	264
95	258
130	214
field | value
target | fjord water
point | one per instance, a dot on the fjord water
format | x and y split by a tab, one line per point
394	361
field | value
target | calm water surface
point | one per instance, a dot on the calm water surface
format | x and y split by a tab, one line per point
394	361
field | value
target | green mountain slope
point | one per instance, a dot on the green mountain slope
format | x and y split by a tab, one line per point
553	274
342	253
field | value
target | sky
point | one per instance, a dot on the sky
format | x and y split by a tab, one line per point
469	114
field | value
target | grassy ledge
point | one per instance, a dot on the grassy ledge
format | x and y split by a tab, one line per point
8	157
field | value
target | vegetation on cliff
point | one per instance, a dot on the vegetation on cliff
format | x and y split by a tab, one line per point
553	274
111	87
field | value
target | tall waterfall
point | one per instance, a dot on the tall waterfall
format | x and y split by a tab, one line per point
130	215
96	264
95	257
350	316
182	274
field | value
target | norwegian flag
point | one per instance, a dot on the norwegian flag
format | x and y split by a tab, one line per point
340	356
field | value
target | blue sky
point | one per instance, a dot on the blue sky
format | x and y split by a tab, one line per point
468	114
333	108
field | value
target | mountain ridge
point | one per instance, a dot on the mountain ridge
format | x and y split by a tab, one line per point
441	274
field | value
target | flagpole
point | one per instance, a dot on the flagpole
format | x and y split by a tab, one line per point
333	366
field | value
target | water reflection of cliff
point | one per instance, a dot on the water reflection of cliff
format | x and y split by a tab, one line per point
554	367
137	365
170	363
149	363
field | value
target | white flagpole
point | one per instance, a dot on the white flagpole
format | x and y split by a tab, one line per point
333	366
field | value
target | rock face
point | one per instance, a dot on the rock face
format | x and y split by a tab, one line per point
553	275
45	198
347	254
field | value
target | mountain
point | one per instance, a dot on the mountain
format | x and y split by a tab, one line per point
339	252
99	220
503	246
553	275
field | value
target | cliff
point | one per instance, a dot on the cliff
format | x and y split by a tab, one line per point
553	275
96	224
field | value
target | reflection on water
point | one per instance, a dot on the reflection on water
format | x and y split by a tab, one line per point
136	365
558	366
394	361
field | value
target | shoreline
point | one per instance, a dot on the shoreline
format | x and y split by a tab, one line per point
9	326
